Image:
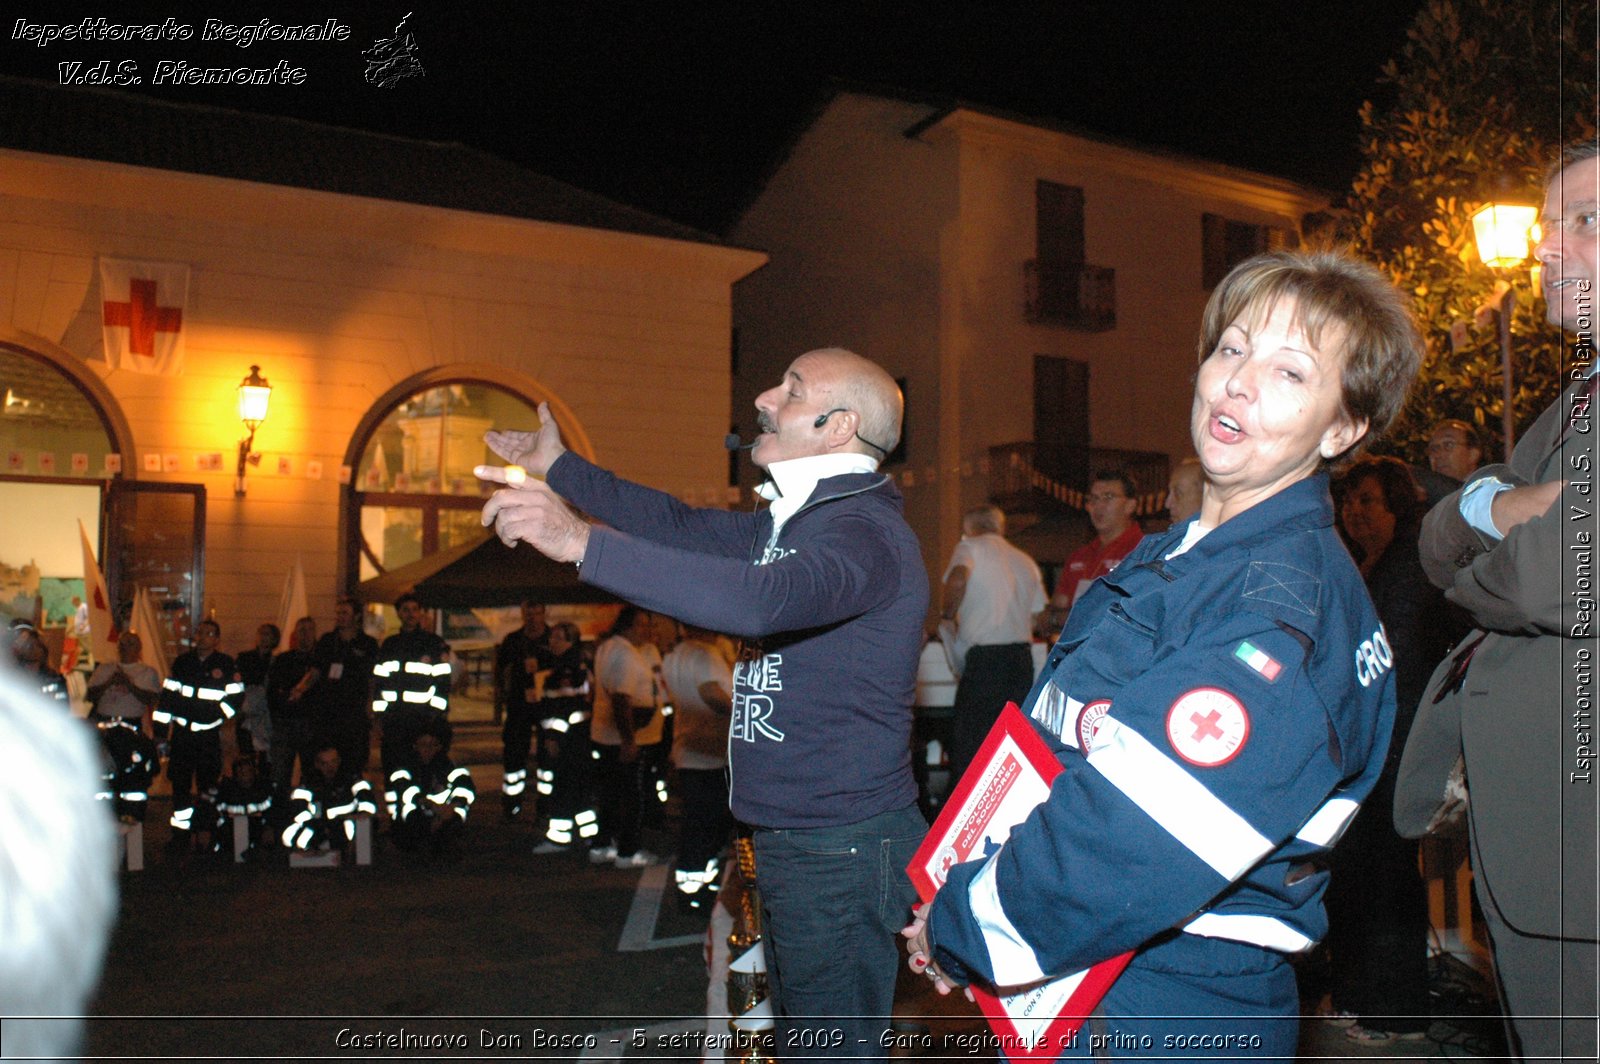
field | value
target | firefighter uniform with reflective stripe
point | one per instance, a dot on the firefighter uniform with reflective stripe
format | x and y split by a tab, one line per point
1220	713
411	689
564	751
519	660
131	762
236	798
323	812
196	699
427	791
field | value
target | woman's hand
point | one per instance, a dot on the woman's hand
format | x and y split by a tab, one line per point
921	955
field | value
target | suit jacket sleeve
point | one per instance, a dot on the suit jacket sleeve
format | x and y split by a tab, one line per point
1514	585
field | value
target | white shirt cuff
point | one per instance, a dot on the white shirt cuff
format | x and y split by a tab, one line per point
1476	503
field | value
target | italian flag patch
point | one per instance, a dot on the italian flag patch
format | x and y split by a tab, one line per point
1258	660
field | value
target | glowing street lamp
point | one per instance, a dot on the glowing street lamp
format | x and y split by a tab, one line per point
1501	231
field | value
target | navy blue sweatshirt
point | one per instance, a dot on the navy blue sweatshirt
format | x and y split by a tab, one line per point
831	621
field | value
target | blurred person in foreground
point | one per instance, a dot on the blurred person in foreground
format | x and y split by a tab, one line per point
58	891
1220	704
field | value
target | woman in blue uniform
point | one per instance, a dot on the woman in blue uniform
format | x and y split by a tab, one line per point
1220	702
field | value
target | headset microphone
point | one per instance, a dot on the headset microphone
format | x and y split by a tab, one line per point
732	442
822	419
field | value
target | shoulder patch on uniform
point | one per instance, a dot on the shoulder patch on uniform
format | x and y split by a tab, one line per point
1283	585
1207	726
1258	661
1089	723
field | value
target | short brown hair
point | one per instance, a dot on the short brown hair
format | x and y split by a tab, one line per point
1382	348
1570	155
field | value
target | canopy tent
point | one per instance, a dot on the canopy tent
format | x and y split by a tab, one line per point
484	572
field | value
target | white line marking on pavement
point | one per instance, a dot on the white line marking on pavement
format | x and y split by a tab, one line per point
638	934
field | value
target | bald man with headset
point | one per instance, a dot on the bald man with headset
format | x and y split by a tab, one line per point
827	589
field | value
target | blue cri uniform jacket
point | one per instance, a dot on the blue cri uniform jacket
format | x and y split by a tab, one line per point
1219	717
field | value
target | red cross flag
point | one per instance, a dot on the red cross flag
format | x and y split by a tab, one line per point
142	305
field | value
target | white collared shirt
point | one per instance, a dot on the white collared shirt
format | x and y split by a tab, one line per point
790	482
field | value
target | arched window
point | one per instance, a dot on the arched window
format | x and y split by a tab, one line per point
412	492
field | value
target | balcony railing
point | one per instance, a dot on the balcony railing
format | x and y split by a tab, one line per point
1070	295
1018	484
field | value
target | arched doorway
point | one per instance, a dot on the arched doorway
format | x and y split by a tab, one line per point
68	458
59	446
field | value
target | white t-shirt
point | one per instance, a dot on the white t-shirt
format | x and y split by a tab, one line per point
1004	591
620	668
117	702
699	733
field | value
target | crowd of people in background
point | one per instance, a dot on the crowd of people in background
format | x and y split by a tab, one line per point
282	736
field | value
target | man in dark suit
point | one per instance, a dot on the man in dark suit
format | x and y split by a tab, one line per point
1514	547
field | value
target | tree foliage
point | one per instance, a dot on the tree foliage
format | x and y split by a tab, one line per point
1481	99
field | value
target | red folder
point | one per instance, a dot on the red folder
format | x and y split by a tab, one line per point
1009	776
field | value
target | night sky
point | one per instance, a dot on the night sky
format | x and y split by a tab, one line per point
682	108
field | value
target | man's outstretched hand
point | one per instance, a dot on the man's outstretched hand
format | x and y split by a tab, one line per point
534	452
535	514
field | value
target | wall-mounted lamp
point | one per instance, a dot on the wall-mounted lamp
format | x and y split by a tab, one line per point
1501	230
254	395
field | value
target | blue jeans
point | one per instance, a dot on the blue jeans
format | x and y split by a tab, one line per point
832	902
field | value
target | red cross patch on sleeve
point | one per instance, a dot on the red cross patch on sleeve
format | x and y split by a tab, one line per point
1207	726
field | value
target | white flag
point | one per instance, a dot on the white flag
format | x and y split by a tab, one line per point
152	637
142	307
292	603
98	600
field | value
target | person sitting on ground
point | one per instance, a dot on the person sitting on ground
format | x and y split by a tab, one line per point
326	803
433	794
245	793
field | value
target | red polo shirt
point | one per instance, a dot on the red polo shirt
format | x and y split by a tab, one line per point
1095	559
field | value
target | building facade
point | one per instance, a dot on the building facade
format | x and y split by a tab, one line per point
408	299
1037	290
